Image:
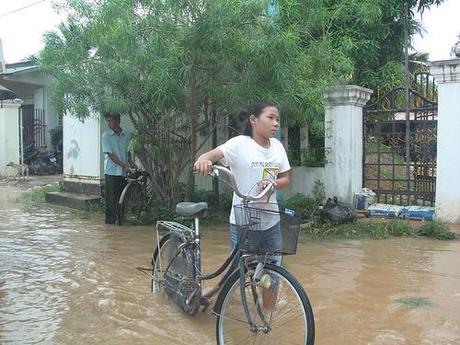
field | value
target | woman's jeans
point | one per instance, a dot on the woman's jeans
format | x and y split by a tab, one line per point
272	241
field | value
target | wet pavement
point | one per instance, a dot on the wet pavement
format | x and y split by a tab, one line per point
64	280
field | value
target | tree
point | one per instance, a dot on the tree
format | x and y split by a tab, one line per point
169	65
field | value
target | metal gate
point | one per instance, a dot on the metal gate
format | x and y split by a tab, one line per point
34	126
399	151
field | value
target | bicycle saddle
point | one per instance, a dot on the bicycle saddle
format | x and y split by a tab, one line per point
191	209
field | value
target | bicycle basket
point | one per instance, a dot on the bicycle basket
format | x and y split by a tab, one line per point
262	229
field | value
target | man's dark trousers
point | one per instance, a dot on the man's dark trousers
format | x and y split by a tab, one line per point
113	187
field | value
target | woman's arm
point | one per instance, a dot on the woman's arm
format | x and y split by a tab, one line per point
204	163
282	180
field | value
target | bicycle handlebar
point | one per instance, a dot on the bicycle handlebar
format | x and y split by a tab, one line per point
225	175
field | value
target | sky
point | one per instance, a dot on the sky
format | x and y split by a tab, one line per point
21	30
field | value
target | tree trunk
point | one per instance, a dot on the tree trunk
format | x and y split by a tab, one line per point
215	181
193	139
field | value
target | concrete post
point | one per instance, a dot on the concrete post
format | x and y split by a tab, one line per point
447	75
9	133
343	175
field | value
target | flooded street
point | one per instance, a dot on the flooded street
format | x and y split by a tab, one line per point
64	280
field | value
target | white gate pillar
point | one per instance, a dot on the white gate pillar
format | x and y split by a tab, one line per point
344	140
10	128
447	75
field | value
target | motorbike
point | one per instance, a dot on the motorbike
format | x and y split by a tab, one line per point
41	162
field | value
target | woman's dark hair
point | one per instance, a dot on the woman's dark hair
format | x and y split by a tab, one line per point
255	109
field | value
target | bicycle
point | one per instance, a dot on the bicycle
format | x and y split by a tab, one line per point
257	300
135	197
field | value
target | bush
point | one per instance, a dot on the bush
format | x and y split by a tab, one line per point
37	194
303	205
56	137
436	230
400	228
378	230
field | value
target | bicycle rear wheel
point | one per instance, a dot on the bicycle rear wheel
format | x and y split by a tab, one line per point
131	204
159	260
278	298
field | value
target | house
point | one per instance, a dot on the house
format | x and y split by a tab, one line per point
36	116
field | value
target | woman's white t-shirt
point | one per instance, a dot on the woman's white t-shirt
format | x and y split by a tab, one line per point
252	163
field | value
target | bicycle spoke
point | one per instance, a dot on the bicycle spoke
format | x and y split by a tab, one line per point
278	304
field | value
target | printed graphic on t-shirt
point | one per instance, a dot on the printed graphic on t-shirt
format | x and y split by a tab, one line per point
270	173
260	164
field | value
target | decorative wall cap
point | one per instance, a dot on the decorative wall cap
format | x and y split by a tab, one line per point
446	71
11	103
347	95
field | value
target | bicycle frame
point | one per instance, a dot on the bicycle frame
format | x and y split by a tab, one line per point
191	238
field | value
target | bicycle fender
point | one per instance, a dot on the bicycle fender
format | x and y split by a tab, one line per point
124	192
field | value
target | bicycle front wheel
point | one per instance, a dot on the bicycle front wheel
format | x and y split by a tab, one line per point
131	204
278	306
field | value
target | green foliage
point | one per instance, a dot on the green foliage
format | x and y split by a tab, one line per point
170	65
37	194
378	230
303	205
319	192
56	136
436	230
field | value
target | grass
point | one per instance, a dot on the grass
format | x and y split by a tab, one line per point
379	230
37	194
436	230
415	302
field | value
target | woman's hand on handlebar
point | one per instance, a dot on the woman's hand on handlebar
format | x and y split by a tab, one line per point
265	183
203	166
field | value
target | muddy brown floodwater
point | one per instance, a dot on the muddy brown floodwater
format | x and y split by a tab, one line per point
70	281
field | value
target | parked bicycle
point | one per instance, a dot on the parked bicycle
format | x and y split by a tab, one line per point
135	198
258	302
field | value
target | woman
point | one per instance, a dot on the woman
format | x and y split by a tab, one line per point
253	157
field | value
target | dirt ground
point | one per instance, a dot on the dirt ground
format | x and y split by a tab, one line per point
31	181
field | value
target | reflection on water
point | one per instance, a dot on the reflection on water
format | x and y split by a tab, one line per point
67	281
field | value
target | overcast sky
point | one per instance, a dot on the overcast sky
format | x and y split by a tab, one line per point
21	31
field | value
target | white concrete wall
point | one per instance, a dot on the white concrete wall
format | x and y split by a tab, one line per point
82	150
9	133
447	75
39	98
343	173
303	180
